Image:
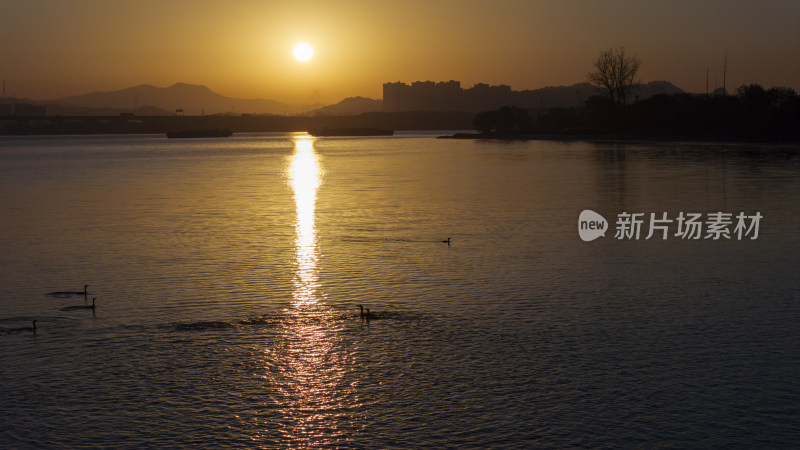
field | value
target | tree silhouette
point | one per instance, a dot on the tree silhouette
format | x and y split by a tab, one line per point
615	72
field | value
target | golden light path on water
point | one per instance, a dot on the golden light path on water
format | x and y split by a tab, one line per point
306	366
305	179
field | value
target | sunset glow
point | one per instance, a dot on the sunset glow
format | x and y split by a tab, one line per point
247	51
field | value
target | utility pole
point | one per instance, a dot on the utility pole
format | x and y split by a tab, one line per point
706	81
725	74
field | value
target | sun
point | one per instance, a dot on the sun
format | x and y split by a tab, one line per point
303	52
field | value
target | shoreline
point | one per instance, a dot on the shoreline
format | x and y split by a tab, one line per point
557	137
614	138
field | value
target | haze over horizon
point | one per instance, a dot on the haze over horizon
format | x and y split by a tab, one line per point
243	49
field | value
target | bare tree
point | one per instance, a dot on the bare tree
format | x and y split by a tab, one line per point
615	71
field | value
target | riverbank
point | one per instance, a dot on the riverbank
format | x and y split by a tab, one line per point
132	124
612	137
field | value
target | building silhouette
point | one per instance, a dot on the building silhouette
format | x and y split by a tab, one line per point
444	96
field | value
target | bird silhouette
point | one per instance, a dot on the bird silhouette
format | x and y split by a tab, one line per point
363	316
22	329
76	307
65	293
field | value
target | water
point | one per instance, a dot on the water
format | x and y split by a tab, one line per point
227	274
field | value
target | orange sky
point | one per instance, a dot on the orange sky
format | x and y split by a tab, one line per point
243	49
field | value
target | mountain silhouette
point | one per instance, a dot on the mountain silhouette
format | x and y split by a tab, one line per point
191	99
197	100
350	106
61	109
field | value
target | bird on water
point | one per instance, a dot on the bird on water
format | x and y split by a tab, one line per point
446	241
22	329
73	308
366	315
84	292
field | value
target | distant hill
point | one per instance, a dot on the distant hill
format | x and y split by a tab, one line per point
656	87
350	106
195	100
59	109
576	94
192	99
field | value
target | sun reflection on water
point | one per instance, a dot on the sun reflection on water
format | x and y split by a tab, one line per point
305	177
307	366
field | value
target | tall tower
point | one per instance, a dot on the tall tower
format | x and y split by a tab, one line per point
725	74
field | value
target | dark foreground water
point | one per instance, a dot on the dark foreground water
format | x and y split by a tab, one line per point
227	274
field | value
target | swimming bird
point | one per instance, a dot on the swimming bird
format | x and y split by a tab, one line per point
446	241
21	329
73	308
362	312
84	292
204	325
367	315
